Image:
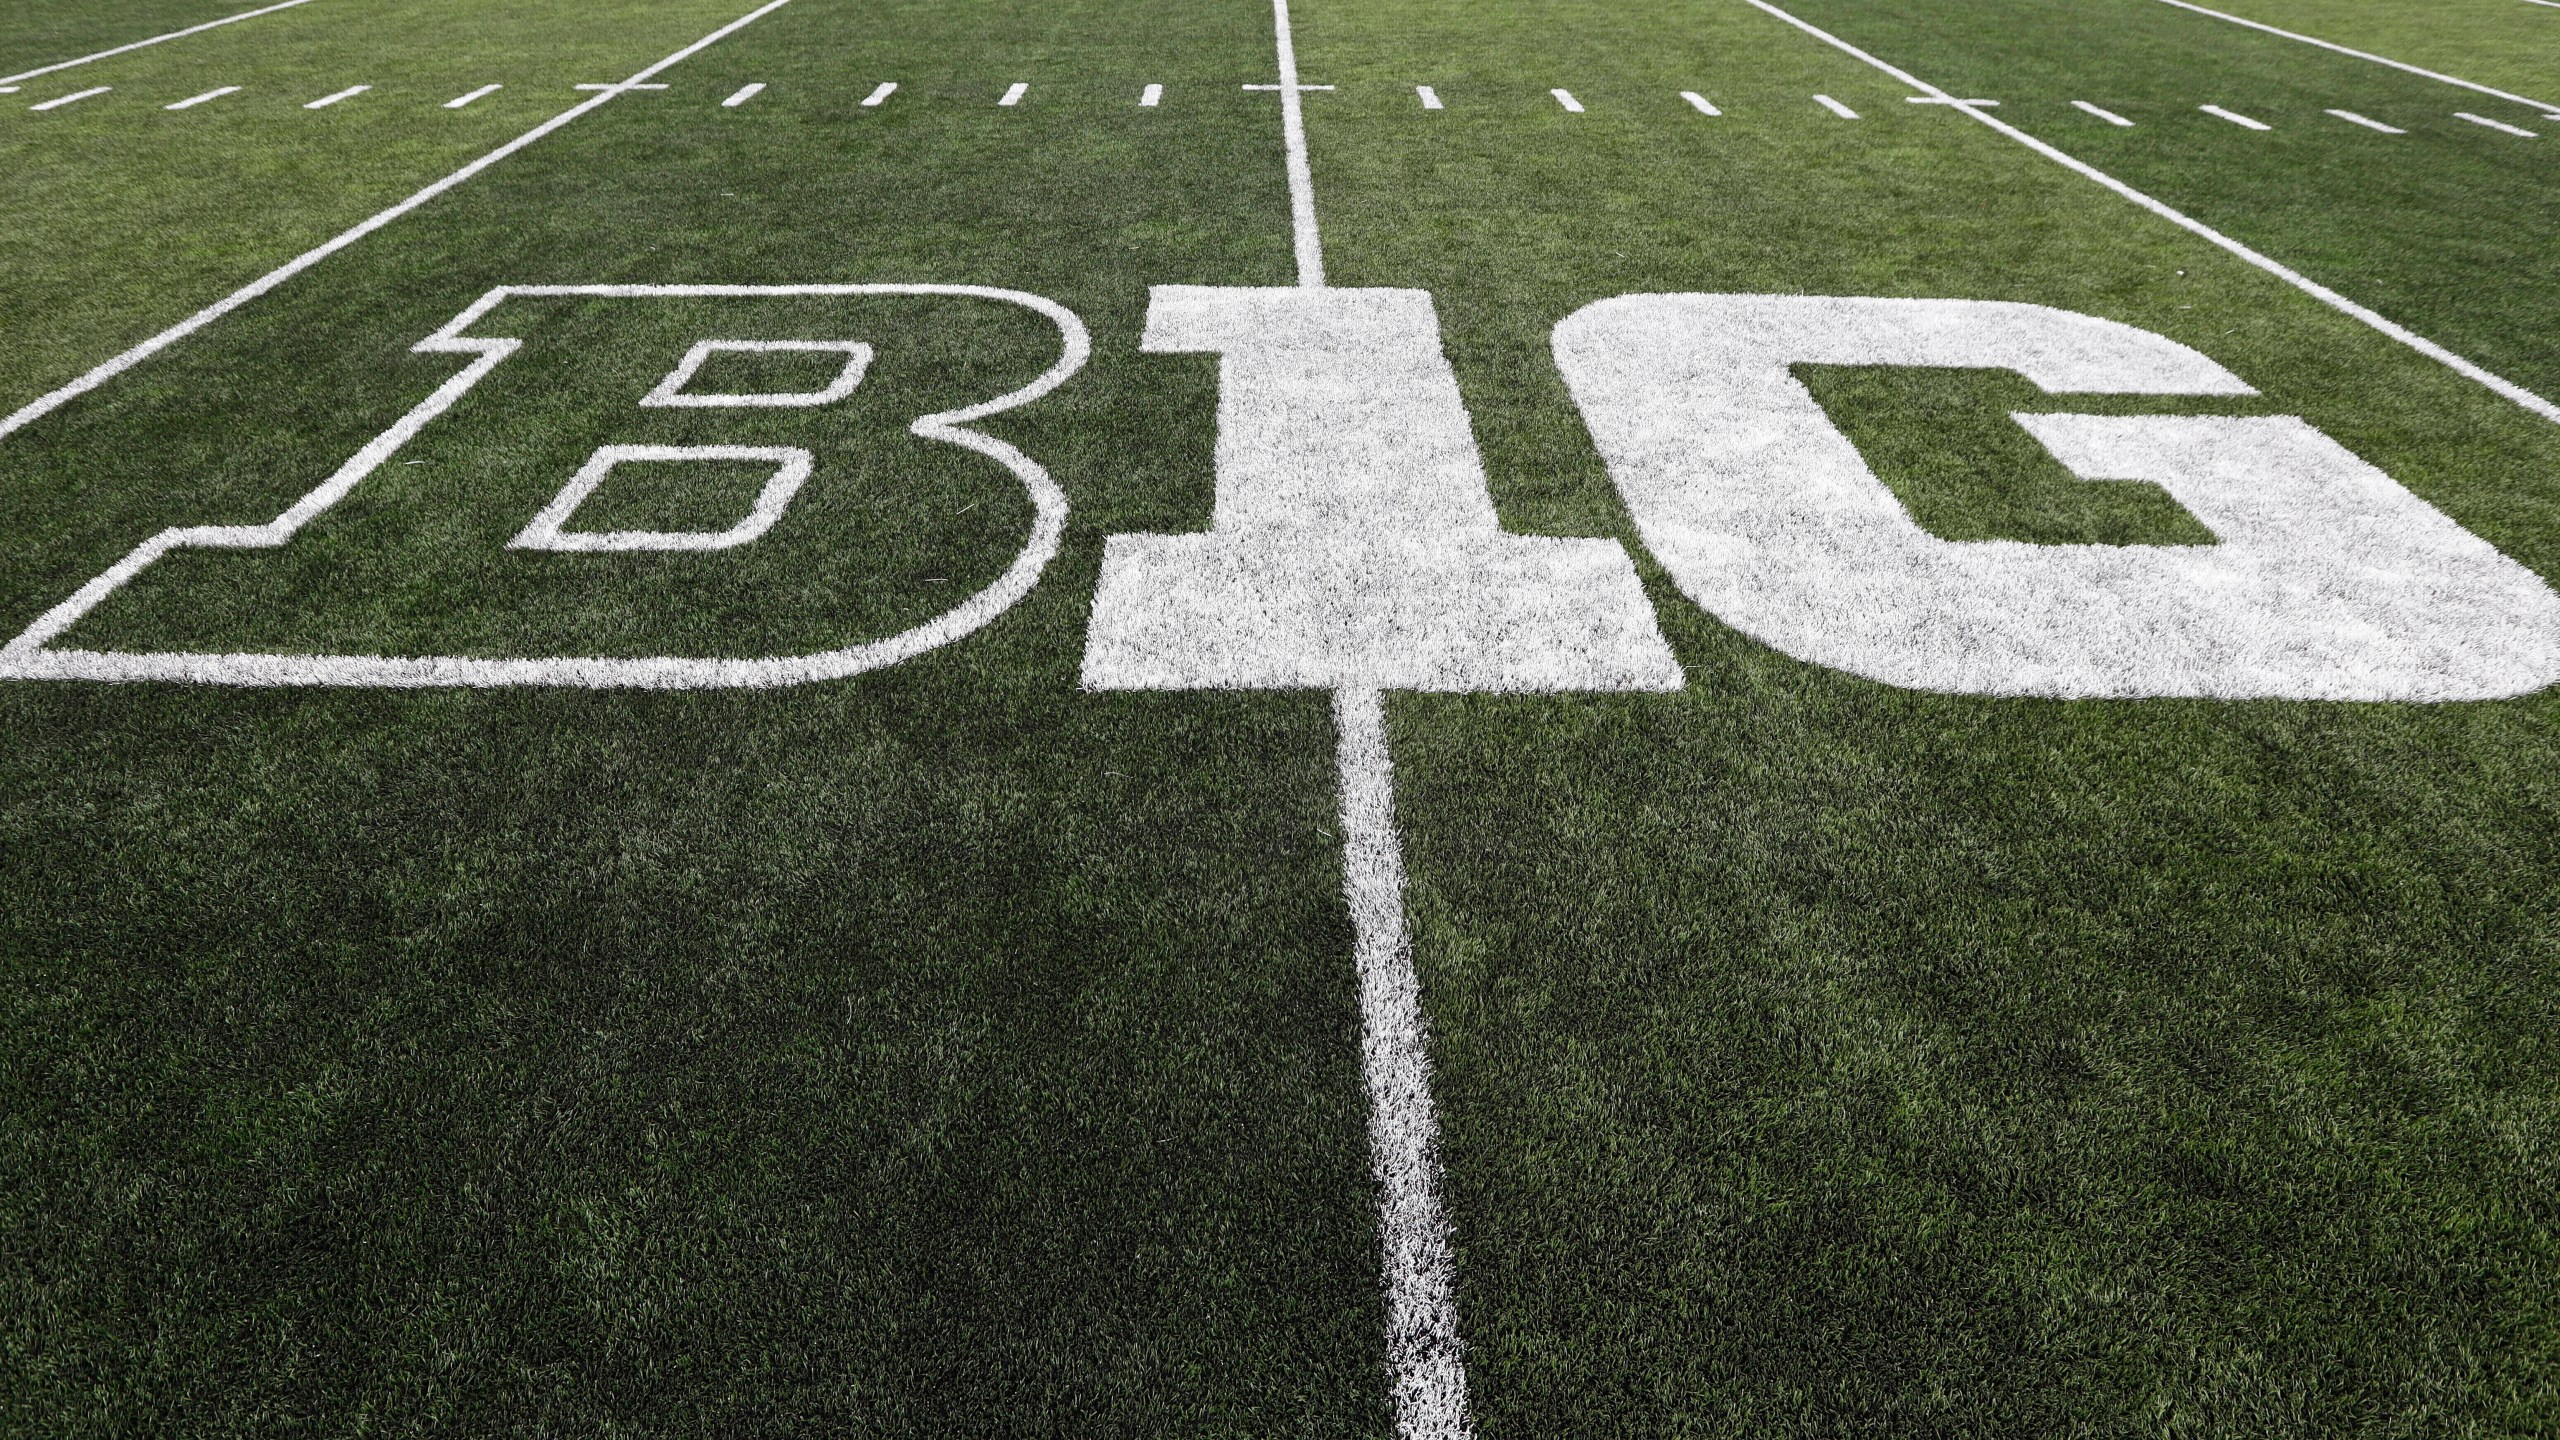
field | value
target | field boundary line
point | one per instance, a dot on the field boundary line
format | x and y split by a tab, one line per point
2304	283
154	40
2365	55
51	401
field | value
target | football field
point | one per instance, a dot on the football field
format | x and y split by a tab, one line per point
1280	718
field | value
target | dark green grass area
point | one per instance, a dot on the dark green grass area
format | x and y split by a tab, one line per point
48	32
942	1052
1819	1058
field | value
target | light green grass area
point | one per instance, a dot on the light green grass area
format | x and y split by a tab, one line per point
2510	44
951	1050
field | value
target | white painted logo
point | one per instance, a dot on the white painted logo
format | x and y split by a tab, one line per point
32	654
1354	542
2329	580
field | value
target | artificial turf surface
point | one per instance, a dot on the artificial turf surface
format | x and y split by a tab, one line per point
951	1050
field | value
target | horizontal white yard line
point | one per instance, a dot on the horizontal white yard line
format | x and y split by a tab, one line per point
2109	116
154	40
2364	55
2367	122
2304	283
1699	103
59	101
1565	99
483	93
193	101
2500	126
2235	117
1430	97
1151	97
886	89
325	101
105	371
745	94
1835	107
1013	94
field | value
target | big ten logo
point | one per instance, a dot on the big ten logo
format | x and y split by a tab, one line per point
675	486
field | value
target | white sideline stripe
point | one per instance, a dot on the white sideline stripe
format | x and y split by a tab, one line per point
2235	117
1013	95
1293	136
2367	122
1565	99
1836	108
745	94
2365	55
1151	97
51	401
484	92
1699	103
193	101
886	89
326	101
1431	97
154	40
2308	286
2109	116
1424	1357
59	101
2498	125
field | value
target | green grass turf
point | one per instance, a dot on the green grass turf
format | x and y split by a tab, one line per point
947	1050
2506	43
48	32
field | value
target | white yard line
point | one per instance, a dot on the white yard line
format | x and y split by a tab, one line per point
74	97
880	95
2367	122
1293	137
484	92
1835	107
1431	97
1699	103
2364	55
2308	286
2109	116
154	40
745	93
1151	97
1565	99
325	101
2235	117
193	101
46	404
1013	94
2498	125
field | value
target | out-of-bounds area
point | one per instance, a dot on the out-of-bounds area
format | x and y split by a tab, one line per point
1774	717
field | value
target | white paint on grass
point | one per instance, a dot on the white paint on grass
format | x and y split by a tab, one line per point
2364	55
1430	97
1293	141
1354	542
2367	122
880	94
2328	580
618	87
1835	107
791	468
325	101
10	80
2308	286
483	93
28	657
2235	117
73	98
2109	116
1014	93
1565	99
1947	100
742	95
671	393
1699	103
193	101
2500	126
107	370
1151	97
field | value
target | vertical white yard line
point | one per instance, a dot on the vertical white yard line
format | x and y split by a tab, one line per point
46	404
2363	55
74	97
2308	286
1293	134
1426	1365
154	40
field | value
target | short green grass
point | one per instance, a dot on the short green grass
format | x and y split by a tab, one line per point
949	1050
